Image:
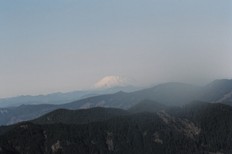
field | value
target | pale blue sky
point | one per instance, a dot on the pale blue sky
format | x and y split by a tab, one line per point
63	45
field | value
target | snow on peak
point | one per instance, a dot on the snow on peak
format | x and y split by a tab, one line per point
111	81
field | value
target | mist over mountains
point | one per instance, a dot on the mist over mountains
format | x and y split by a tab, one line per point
62	98
174	117
116	77
169	94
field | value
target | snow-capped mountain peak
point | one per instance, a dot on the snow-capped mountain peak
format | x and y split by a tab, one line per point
111	81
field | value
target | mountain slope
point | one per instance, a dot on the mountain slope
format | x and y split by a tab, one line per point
218	91
147	106
60	98
168	94
82	116
23	113
198	128
79	116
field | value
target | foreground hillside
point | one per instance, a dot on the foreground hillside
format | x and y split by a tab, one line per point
197	128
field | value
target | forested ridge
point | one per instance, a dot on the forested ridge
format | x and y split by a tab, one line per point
197	128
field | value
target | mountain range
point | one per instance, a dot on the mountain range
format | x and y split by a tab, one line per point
169	94
61	98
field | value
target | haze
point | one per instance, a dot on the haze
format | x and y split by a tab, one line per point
64	45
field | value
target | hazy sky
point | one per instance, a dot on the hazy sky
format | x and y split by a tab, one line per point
62	45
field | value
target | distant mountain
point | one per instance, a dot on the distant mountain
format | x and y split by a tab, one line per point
111	81
27	112
54	98
172	93
61	98
23	113
218	91
168	94
197	128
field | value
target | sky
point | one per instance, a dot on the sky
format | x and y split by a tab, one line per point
64	45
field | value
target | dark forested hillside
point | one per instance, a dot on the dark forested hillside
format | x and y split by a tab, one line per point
147	106
23	113
197	128
81	116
